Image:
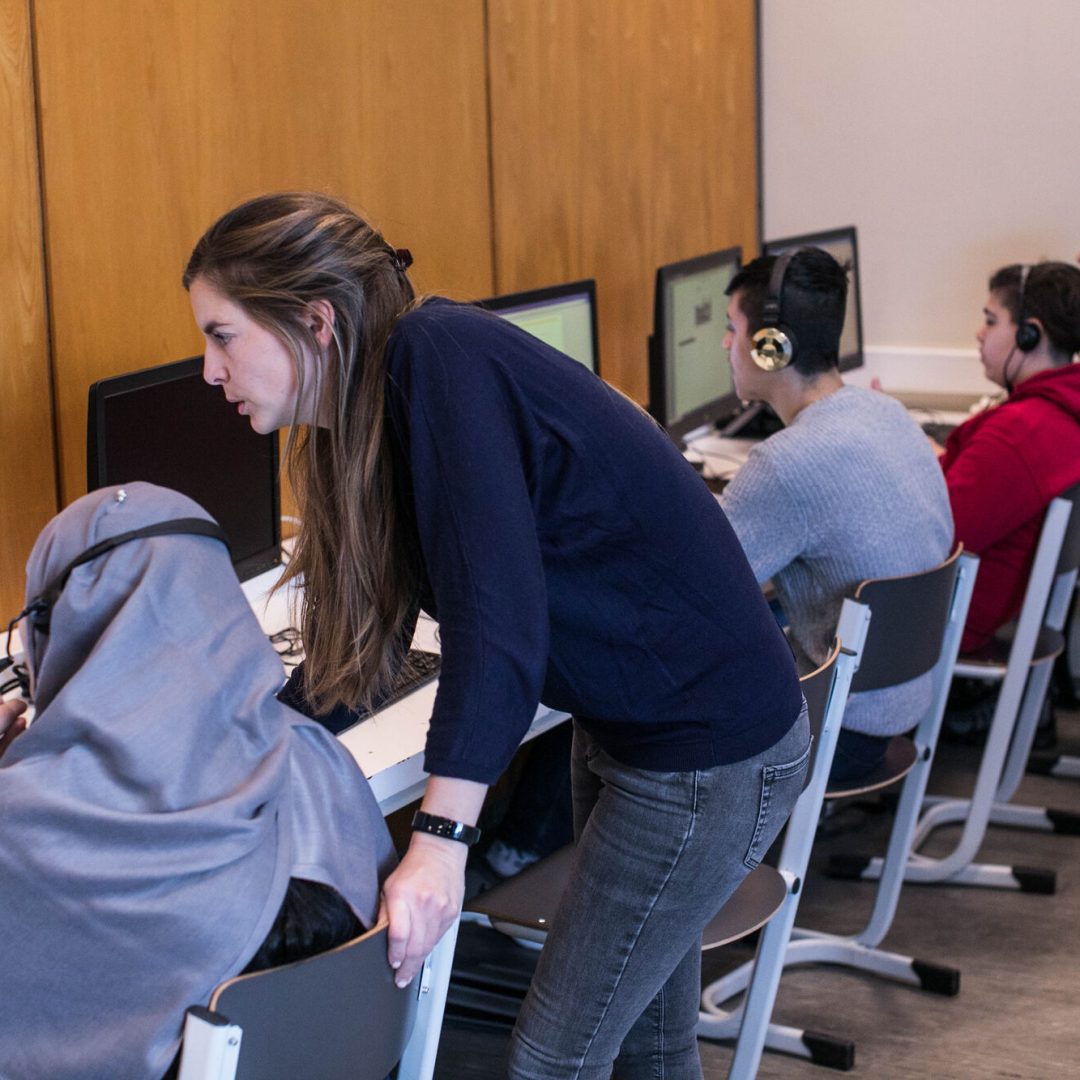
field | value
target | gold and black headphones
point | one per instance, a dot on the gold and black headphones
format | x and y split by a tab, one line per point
774	344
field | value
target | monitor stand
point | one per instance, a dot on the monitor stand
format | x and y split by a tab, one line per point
755	421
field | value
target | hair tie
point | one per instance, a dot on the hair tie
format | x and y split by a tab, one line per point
402	259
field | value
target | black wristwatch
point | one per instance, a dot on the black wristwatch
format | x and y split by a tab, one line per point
444	827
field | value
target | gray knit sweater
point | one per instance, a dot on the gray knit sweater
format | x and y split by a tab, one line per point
851	490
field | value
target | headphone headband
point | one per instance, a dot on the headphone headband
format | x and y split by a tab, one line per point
774	344
40	608
774	301
1028	334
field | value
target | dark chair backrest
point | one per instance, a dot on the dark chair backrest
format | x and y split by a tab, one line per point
335	1016
817	689
909	615
1069	559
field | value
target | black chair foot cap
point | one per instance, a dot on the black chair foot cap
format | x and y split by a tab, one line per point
1064	821
1033	879
828	1051
1042	764
936	978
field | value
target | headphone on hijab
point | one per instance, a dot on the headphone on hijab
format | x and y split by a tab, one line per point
39	609
774	344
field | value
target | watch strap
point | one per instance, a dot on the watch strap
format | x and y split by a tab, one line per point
445	827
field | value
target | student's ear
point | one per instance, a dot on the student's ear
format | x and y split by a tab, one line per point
321	321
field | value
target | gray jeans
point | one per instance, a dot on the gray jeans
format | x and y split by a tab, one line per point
619	979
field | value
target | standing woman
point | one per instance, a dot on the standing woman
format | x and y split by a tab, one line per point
447	460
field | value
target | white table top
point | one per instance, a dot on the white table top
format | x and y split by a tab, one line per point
388	746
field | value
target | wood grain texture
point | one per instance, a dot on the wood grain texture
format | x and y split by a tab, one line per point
28	490
623	137
158	117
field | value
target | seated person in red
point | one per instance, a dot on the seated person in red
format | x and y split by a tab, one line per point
1004	466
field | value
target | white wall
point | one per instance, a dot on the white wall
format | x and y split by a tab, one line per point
948	131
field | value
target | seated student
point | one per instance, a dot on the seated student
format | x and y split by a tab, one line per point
848	490
153	813
1004	466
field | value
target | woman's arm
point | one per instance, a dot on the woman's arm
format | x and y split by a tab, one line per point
423	896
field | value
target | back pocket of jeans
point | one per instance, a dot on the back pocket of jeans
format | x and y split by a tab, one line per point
780	787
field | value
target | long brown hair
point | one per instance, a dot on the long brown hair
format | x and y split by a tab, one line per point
275	256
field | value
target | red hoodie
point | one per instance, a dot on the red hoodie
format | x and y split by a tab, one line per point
1002	468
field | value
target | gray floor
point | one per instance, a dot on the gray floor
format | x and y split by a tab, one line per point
1019	1006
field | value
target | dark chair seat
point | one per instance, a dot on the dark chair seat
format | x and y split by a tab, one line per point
1049	645
749	908
900	757
524	905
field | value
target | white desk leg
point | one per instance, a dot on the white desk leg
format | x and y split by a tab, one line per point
418	1061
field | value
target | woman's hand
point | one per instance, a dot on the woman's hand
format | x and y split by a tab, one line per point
12	722
422	897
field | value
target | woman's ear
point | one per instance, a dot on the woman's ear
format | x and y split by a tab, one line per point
321	321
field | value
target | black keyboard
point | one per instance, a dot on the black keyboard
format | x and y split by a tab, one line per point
418	669
938	430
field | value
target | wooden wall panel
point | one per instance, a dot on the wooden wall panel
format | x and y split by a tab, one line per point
156	117
623	137
27	464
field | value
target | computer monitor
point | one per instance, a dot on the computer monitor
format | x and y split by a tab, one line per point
842	245
166	425
563	316
690	384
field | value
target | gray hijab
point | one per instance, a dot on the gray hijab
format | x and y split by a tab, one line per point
152	814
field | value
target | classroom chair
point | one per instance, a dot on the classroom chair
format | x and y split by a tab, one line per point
522	907
912	625
1021	659
335	1016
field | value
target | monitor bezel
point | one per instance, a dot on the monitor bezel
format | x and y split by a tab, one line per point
102	390
711	413
849	361
547	294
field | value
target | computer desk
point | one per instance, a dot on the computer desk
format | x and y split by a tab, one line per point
721	458
389	748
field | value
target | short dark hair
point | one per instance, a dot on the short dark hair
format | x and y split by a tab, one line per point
813	304
1051	295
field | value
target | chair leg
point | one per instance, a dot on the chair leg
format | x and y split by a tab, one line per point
748	1023
959	866
1027	722
418	1061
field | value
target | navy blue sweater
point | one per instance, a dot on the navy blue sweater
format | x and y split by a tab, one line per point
572	557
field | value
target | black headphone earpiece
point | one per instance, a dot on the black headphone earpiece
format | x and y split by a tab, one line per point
774	344
1028	334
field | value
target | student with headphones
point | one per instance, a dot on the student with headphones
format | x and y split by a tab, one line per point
848	490
1005	465
165	822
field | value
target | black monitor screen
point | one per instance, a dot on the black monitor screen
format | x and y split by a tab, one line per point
690	384
842	245
167	426
563	316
